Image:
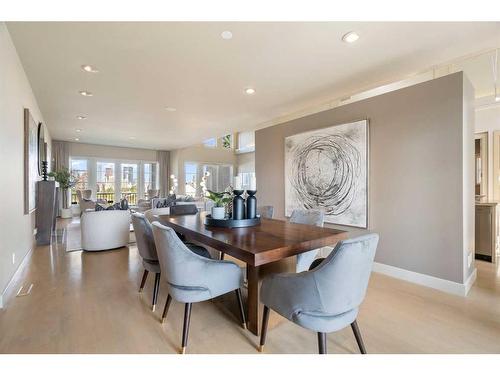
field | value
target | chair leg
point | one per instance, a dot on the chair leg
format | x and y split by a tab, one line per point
155	291
143	281
322	342
359	339
242	310
263	331
185	330
165	310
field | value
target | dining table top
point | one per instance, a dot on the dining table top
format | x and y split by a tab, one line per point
270	241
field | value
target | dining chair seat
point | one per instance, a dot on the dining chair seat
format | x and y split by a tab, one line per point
199	250
151	265
193	278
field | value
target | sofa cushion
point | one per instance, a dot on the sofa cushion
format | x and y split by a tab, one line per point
166	202
101	207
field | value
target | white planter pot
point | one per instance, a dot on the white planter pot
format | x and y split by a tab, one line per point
218	212
66	213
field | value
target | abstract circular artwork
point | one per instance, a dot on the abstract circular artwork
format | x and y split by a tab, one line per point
326	169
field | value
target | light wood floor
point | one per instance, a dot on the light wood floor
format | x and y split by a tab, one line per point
88	303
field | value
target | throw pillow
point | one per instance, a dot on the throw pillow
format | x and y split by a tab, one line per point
166	202
100	207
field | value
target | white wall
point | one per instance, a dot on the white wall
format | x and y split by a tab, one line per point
16	229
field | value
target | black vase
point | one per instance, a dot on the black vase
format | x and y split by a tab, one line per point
251	204
238	205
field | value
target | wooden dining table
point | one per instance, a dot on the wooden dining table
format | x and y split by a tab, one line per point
268	243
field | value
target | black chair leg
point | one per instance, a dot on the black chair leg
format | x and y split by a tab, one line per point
322	342
165	310
263	331
359	339
242	310
155	291
143	281
185	330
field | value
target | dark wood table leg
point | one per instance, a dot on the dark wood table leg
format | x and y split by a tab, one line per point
253	302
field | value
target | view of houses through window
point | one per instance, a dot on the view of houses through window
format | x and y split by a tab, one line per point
112	180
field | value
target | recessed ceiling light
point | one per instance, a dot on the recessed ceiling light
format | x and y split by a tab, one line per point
171	109
226	35
250	91
81	117
89	69
77	139
350	37
85	93
497	98
78	130
131	137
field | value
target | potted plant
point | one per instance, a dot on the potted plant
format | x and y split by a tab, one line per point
66	181
220	200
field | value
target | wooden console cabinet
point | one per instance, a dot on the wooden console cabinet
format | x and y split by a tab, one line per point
46	211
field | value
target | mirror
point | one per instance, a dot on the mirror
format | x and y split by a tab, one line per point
41	148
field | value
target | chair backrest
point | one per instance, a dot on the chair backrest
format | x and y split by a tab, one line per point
310	217
342	278
266	212
155	213
183	209
144	237
153	193
80	194
179	266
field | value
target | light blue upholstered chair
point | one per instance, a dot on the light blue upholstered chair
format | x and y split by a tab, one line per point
266	212
192	278
147	250
327	298
309	217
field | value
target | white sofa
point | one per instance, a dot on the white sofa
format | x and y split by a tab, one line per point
104	230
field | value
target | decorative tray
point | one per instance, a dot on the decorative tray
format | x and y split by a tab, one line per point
230	223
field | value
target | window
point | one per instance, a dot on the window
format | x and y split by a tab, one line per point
129	183
220	177
211	142
227	141
150	177
114	179
190	175
79	169
246	142
246	179
105	181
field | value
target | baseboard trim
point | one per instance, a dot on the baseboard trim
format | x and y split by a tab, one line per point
14	276
426	280
470	281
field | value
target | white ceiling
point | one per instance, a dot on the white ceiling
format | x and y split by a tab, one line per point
145	67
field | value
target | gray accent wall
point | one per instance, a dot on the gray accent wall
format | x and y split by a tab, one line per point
419	195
